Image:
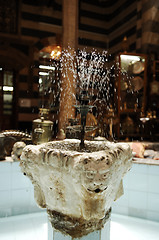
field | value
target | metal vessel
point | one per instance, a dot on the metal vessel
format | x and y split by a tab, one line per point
42	128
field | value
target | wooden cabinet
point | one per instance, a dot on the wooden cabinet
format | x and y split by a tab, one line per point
131	83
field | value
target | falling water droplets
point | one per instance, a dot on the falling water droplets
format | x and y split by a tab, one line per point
90	71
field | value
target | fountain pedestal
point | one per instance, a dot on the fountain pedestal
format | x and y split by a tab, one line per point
77	186
103	234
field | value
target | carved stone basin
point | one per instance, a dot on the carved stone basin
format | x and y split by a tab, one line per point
77	187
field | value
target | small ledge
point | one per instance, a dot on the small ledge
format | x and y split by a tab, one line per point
147	161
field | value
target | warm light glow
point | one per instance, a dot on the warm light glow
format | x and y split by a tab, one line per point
43	73
130	57
7	88
144	119
40	80
46	67
56	52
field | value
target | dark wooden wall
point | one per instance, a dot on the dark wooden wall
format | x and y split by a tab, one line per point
102	25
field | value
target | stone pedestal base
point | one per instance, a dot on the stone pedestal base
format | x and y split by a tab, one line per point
76	227
103	234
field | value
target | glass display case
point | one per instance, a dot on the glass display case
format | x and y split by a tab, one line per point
131	82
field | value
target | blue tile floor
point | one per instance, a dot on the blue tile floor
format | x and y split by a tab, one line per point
35	227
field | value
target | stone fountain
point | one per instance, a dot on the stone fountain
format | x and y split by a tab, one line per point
77	181
77	187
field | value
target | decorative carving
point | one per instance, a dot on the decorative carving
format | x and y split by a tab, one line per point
8	138
17	150
74	184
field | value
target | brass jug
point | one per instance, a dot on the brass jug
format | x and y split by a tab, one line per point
42	128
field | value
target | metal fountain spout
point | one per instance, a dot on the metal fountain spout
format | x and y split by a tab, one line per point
83	108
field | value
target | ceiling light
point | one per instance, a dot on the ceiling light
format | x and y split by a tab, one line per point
46	67
43	73
7	88
130	57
